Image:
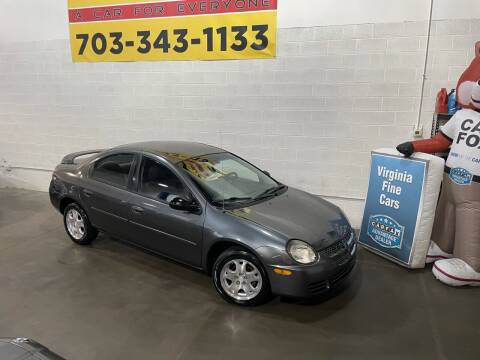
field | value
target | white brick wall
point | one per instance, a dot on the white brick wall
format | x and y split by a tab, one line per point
311	116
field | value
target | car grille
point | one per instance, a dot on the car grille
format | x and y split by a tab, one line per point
334	249
339	251
322	286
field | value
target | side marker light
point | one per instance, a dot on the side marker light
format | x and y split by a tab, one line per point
283	272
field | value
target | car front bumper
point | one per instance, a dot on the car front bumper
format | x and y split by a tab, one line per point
313	280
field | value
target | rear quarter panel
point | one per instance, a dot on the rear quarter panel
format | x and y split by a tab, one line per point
66	183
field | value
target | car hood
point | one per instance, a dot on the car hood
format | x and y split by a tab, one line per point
296	214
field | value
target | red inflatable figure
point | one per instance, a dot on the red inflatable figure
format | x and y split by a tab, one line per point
455	245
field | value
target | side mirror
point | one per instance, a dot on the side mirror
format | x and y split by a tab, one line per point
182	204
267	173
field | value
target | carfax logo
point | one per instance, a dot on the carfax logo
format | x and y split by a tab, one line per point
385	231
461	176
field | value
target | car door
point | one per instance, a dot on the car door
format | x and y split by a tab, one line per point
106	193
175	233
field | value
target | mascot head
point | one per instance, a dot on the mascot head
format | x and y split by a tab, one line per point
468	87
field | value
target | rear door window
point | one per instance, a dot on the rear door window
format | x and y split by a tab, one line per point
114	169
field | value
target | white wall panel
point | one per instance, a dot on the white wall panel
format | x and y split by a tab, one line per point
347	79
310	116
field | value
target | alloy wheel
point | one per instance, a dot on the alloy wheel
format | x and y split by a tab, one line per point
241	279
75	224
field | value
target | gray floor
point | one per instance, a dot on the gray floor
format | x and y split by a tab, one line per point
111	301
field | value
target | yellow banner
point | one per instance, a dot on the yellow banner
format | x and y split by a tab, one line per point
121	30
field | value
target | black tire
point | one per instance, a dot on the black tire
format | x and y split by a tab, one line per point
89	232
237	253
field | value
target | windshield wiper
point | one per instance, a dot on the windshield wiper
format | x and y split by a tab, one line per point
230	200
271	192
236	199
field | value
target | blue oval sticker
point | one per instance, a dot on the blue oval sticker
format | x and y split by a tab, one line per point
461	176
385	231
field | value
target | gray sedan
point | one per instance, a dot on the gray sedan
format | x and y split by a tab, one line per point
210	209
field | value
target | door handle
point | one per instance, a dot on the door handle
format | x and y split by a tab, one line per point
87	193
137	209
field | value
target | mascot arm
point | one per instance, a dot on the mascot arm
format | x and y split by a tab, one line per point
439	143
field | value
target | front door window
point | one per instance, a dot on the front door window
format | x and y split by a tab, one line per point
159	182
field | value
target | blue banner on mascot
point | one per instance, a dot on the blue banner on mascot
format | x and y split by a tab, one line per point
393	205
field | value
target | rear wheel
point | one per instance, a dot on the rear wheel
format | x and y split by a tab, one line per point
239	278
77	225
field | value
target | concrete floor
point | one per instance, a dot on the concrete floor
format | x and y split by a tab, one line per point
112	301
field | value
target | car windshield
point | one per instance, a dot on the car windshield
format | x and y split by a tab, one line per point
225	178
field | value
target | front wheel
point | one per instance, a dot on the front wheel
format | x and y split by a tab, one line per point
239	278
77	225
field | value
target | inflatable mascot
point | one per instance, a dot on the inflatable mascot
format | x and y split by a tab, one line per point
455	245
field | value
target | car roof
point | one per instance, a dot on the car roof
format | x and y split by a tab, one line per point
174	151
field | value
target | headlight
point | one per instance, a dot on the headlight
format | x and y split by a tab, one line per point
301	252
